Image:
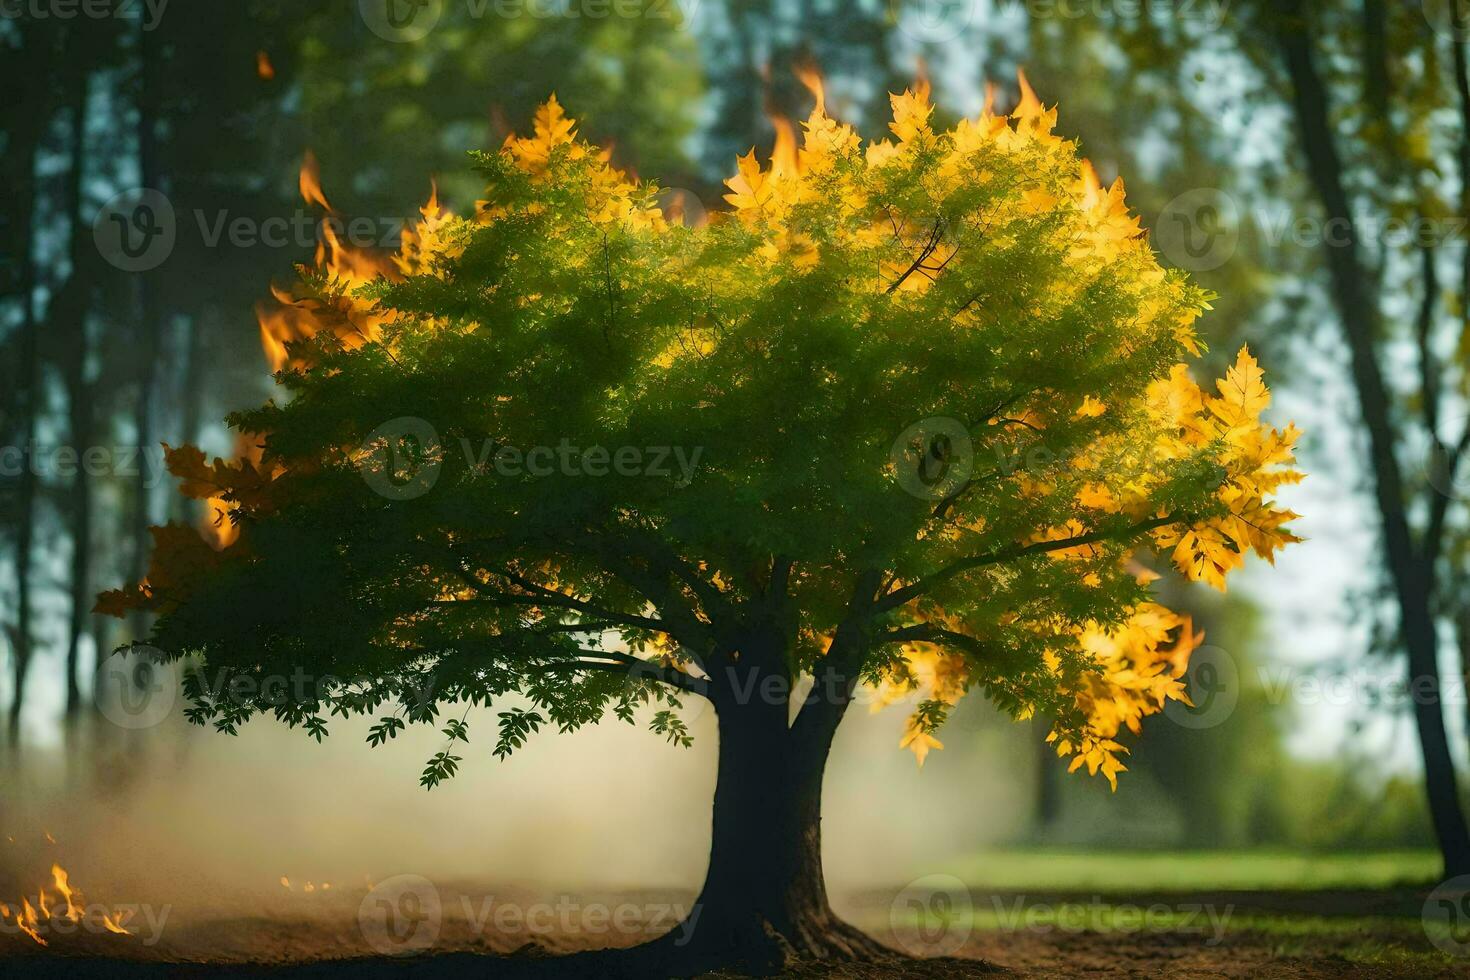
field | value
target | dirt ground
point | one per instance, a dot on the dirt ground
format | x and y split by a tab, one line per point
299	936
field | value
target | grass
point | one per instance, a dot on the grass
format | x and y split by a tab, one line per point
1053	869
1122	900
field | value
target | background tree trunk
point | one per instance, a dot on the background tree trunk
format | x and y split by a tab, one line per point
1411	568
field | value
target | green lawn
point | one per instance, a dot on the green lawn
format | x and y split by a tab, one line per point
1034	908
1136	871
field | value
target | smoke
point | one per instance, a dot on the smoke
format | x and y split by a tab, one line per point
210	825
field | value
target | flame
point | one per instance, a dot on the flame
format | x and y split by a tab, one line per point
49	838
784	162
812	79
285	883
291	318
28	922
263	67
216	527
32	919
62	886
310	182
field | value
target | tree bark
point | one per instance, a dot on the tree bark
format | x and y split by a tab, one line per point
32	88
1413	578
70	310
764	905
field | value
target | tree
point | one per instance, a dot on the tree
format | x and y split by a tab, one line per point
633	463
1417	519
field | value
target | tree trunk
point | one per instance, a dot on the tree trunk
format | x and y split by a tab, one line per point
70	310
764	901
763	907
1411	568
21	154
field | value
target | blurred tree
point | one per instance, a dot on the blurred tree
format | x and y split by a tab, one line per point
1379	97
214	108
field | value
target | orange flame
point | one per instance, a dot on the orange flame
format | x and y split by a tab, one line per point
783	155
32	919
310	182
812	79
62	886
263	67
292	318
28	922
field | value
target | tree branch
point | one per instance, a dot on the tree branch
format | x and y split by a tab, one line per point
908	593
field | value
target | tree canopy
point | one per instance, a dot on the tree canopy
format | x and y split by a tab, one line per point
920	407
